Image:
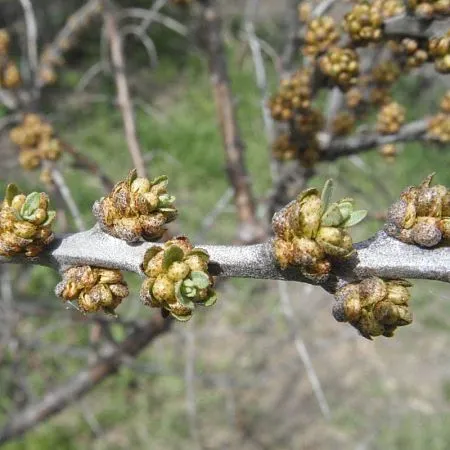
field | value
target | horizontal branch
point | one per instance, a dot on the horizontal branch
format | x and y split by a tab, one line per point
379	256
367	141
413	26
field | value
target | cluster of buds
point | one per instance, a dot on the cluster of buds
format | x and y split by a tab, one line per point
309	122
343	123
439	128
9	72
284	148
390	118
136	209
301	140
439	50
178	279
439	125
304	11
421	216
294	94
25	222
52	56
388	152
320	35
380	95
341	66
309	152
354	98
389	8
364	24
93	288
445	103
429	8
36	142
411	52
374	307
310	230
386	73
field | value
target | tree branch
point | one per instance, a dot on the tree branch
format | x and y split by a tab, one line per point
412	26
82	161
367	141
31	26
293	26
77	20
108	361
380	255
231	135
123	93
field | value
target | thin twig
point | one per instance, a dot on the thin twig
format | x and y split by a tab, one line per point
64	190
150	17
261	81
249	229
88	76
77	20
32	37
107	362
145	14
84	162
145	41
366	141
292	25
189	379
209	219
302	351
123	93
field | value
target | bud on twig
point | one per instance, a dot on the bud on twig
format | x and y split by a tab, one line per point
178	278
136	209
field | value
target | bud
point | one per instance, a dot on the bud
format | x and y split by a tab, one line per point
95	289
373	306
163	289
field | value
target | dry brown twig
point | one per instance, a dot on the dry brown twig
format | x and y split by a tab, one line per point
211	27
123	93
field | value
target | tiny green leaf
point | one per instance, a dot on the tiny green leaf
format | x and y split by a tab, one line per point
11	191
346	208
332	217
178	293
427	181
211	300
50	217
163	179
172	254
165	200
131	177
181	318
31	205
199	252
168	210
404	283
355	218
200	279
190	292
149	254
182	297
307	193
327	192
